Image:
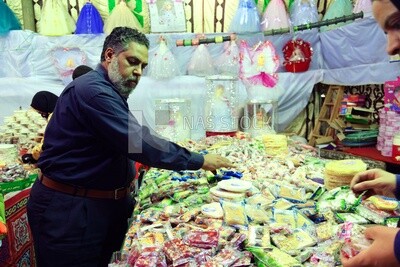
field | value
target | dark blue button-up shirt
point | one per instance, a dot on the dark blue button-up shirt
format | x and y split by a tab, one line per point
92	138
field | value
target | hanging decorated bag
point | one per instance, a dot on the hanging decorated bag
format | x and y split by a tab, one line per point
303	12
258	65
337	8
297	54
66	60
162	63
55	19
167	16
8	19
228	62
89	20
363	6
275	16
201	63
121	16
246	19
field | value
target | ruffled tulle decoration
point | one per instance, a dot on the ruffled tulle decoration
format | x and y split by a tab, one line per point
162	63
201	62
55	19
8	21
258	66
121	16
337	8
275	16
304	12
363	5
65	60
228	62
89	20
246	18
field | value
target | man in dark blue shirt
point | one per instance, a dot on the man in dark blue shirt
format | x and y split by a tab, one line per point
78	209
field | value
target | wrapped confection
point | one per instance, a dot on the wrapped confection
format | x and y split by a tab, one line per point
340	172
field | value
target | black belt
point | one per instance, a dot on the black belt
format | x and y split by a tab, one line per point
84	192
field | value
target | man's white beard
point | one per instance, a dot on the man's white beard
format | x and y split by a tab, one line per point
117	79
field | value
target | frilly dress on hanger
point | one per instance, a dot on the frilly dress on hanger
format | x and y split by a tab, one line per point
89	20
8	21
246	18
162	63
55	19
121	16
275	16
304	12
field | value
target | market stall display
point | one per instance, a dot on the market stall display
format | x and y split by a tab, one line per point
269	210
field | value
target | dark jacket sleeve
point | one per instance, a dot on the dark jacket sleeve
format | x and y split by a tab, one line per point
397	246
397	191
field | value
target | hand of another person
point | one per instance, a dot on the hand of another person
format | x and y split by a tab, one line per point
376	181
213	162
380	253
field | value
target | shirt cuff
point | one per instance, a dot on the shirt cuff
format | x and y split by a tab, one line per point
196	161
397	191
397	246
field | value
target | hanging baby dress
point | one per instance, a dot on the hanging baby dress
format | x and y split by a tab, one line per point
162	63
246	18
304	12
275	16
89	20
121	16
8	21
337	8
55	19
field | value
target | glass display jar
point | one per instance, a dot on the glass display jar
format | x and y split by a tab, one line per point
172	118
260	117
221	110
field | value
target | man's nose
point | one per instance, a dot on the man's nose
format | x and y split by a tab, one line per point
138	70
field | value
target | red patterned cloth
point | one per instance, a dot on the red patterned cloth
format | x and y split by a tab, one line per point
17	247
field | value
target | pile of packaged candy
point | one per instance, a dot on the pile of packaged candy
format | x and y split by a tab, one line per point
269	211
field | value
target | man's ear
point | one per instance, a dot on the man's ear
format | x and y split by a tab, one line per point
108	54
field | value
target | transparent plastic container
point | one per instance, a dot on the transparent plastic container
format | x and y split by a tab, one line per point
172	118
221	110
260	117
